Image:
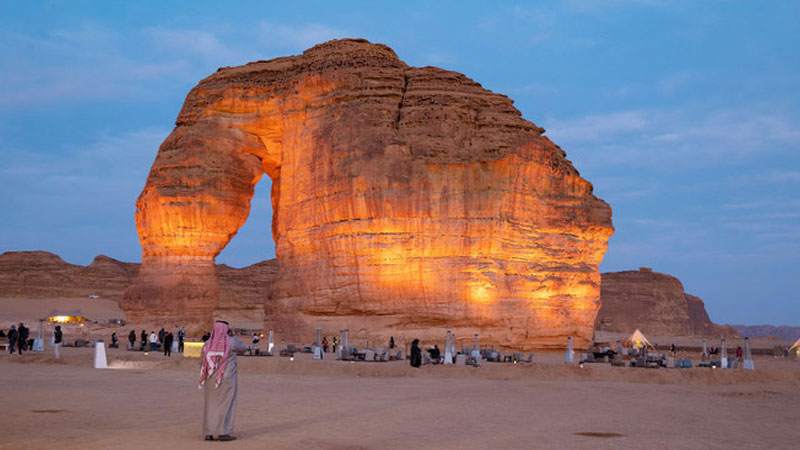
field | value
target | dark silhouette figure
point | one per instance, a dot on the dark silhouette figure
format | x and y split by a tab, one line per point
168	338
416	354
13	335
22	340
391	342
181	338
144	341
114	340
132	339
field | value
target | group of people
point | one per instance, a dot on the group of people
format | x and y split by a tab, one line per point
163	340
18	338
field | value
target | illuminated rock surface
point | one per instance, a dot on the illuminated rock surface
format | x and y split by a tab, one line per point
406	201
654	303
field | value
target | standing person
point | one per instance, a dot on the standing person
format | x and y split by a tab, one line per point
181	338
161	335
153	340
739	354
415	354
391	342
144	341
13	335
57	337
672	349
325	344
114	339
335	343
22	340
168	344
219	396
254	348
131	340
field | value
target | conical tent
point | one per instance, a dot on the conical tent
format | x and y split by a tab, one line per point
639	340
796	347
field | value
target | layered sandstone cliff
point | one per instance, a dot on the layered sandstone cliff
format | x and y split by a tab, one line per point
45	275
405	201
654	303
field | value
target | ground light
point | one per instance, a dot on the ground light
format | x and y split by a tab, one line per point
291	358
580	365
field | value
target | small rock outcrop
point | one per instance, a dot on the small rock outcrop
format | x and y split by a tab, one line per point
655	303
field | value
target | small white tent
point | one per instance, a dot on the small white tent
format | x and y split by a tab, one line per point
638	340
795	347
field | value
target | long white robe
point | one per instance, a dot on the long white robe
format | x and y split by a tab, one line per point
219	404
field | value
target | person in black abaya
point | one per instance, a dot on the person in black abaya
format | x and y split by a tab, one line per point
416	354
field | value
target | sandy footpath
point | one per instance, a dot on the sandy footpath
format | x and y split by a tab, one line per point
152	401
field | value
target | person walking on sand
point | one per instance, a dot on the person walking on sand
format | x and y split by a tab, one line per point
143	343
168	344
219	382
132	340
58	336
415	355
13	335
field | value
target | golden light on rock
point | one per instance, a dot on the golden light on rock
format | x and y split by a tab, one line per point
405	201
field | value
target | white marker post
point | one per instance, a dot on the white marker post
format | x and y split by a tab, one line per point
723	355
569	358
100	354
448	355
318	345
271	342
748	355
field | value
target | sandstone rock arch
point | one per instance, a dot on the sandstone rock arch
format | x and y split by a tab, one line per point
405	201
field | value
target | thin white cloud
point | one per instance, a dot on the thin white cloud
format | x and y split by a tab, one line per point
297	37
194	42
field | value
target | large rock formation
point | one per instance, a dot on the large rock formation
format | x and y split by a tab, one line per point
655	303
405	201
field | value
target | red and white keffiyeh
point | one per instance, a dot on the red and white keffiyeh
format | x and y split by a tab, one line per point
215	354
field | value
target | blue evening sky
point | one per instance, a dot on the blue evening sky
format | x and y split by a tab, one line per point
684	115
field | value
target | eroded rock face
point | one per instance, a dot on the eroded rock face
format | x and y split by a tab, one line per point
406	201
40	274
654	303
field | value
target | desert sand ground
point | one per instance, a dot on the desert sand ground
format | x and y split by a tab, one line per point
153	402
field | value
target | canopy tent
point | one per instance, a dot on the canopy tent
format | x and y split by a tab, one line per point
638	340
795	347
62	316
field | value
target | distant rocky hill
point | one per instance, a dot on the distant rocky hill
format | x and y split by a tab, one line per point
784	332
45	275
655	303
